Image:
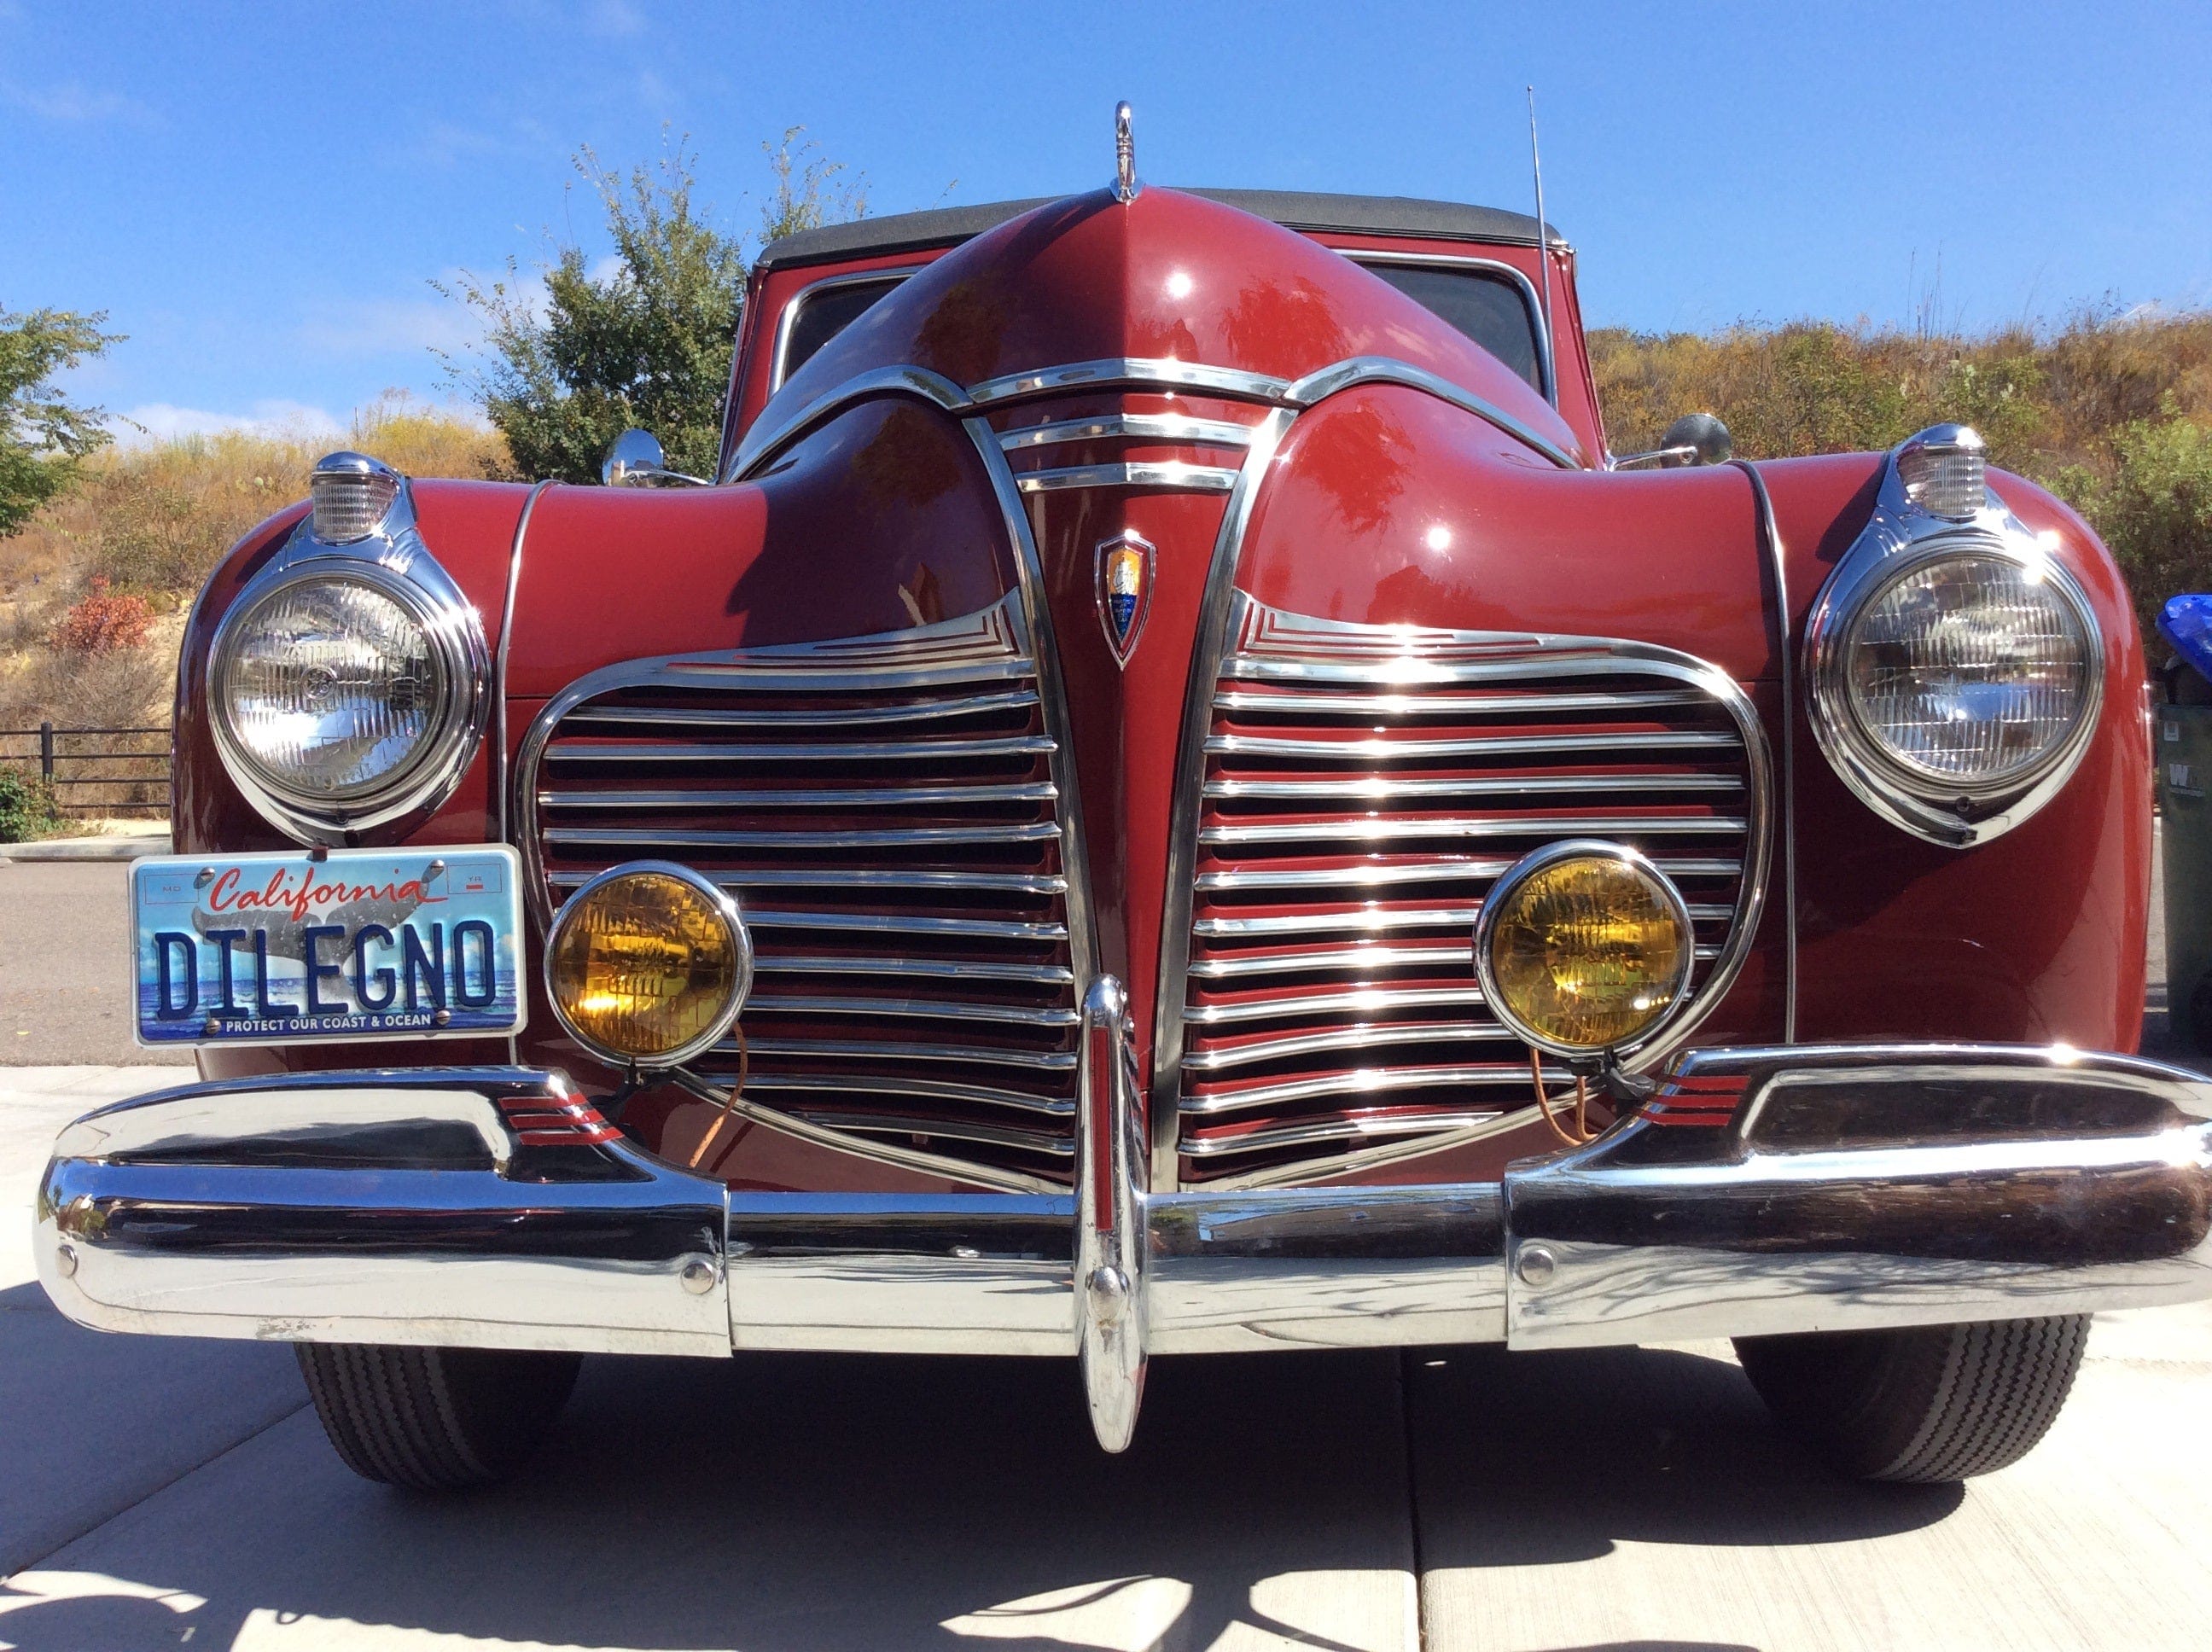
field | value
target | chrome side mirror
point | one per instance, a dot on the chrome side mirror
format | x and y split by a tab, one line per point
637	460
1694	438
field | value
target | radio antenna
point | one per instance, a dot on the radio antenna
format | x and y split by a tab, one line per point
1543	229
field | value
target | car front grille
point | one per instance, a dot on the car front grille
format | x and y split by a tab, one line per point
1363	786
884	810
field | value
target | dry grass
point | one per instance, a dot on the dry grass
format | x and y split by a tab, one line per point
153	520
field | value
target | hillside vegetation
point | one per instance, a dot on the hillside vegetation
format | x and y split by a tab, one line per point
2114	413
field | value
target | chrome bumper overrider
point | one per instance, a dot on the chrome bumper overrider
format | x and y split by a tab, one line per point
1800	1189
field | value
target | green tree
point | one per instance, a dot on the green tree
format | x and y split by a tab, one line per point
646	343
42	434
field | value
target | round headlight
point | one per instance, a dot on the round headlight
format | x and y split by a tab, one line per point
648	964
331	688
1584	947
1968	672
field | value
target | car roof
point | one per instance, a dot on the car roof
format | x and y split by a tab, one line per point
1362	215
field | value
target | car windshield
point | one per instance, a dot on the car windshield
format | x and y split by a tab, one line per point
1489	305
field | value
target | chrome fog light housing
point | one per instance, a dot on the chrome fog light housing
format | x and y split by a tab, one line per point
1585	949
648	964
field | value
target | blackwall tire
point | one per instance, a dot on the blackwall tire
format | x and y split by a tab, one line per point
1938	1403
435	1418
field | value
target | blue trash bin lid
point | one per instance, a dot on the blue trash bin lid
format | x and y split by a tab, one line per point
2187	622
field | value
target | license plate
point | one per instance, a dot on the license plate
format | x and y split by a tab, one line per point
280	949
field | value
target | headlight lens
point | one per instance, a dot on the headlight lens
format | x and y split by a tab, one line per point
331	688
1969	672
648	964
1584	947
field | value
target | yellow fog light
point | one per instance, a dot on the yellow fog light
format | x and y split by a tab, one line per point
648	964
1584	947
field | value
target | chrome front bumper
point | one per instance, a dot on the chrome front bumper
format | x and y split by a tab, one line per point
1800	1189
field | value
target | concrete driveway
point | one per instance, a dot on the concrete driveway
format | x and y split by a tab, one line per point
158	1493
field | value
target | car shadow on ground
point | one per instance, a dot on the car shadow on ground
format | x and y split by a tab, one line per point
1532	1459
873	1503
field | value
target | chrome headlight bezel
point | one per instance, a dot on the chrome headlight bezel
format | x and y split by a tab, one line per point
1901	540
392	560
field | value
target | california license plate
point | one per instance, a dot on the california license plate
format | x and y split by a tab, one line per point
281	949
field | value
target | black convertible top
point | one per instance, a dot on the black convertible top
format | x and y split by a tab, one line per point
1366	215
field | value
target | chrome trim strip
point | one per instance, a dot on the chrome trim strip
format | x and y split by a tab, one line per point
1377	1084
915	1008
865	1127
871	877
842	1141
832	963
1043	1060
1273	1006
881	796
1052	709
1384	750
1012	745
890	837
997	929
1332	831
1489	1120
1389	370
1442	706
1145	427
1769	532
768	437
1372	956
1436	870
496	801
1153	373
926	1089
779	359
919	711
1354	788
1217	611
1540	335
1361	1035
1161	473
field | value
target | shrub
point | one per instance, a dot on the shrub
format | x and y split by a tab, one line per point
26	808
104	621
2153	508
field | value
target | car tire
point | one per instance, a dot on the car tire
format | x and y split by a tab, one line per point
1938	1403
435	1418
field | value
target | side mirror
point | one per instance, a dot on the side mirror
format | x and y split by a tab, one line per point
1704	436
1694	438
637	460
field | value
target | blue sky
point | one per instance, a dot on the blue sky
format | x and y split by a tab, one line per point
259	195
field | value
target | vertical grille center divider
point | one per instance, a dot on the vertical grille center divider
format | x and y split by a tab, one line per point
883	809
1363	786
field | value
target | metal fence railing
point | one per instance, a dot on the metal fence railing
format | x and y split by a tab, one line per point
94	771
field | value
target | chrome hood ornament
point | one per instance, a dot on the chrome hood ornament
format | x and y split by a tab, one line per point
1126	186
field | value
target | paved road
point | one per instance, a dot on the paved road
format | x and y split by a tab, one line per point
155	1493
65	952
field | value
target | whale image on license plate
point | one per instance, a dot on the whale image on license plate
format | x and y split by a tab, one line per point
281	949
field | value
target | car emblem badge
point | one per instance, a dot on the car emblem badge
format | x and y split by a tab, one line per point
1125	590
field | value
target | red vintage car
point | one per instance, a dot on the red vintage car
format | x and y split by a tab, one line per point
1170	797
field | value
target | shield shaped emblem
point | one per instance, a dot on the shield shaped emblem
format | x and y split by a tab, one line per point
1125	589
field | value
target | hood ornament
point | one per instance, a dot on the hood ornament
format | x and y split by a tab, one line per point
1125	590
1126	186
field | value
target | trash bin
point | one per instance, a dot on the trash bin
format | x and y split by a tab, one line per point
2181	748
